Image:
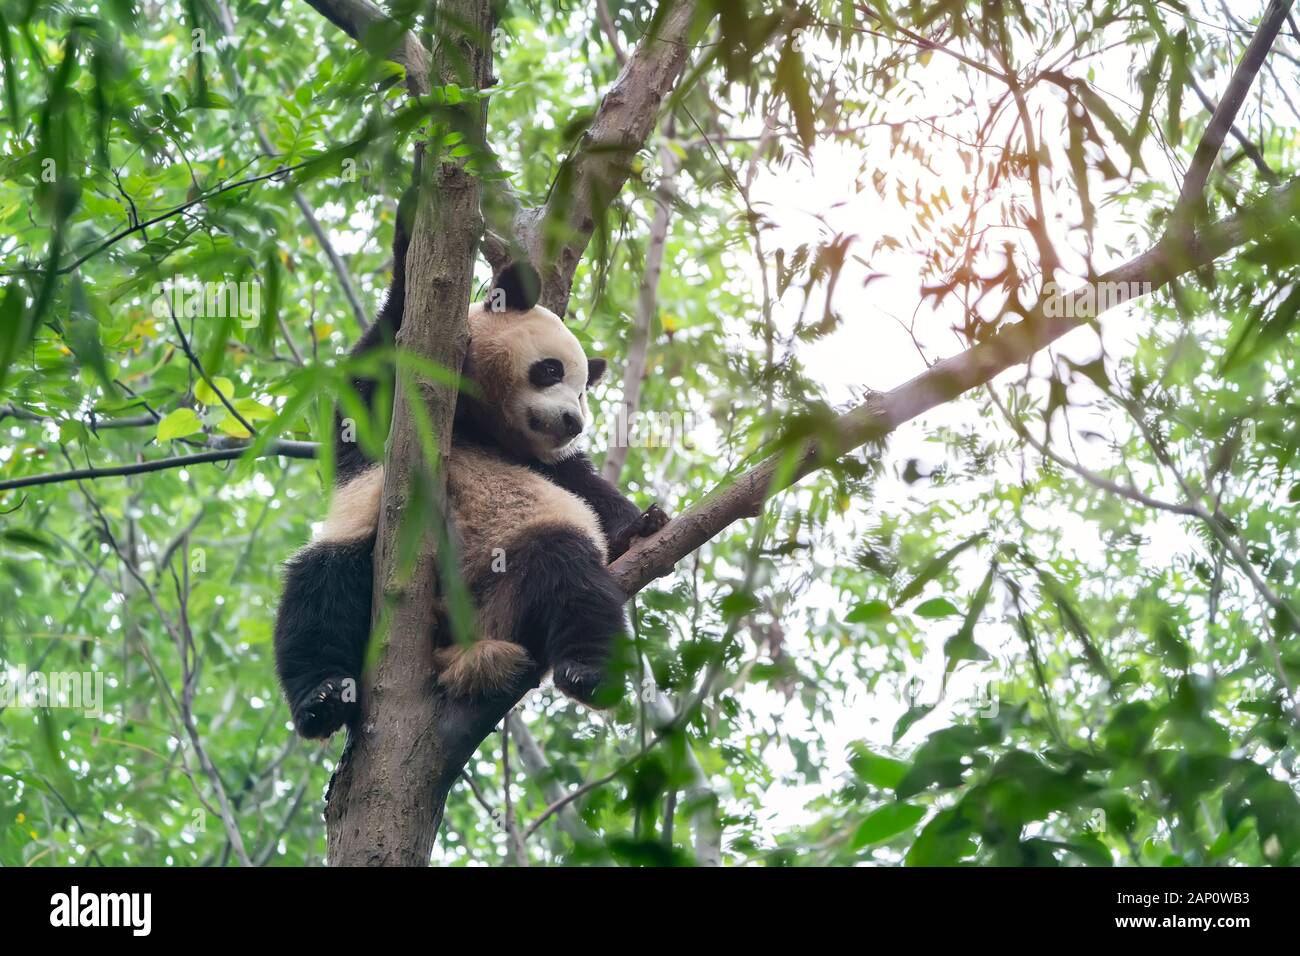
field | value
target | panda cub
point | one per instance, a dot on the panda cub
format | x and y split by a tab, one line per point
518	481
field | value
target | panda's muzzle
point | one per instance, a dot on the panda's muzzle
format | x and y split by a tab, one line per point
562	427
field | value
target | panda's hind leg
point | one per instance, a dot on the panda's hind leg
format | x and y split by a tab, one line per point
321	632
568	611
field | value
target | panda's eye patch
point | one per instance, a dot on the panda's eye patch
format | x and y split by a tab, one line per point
545	373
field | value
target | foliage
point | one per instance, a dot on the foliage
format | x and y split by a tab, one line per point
957	647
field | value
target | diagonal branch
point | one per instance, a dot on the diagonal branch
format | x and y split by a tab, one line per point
1247	145
539	768
942	382
376	30
1224	116
556	234
1109	485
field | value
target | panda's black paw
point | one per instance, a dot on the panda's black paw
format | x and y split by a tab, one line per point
326	708
588	684
652	520
642	526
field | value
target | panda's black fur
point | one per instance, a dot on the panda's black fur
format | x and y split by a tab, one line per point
555	607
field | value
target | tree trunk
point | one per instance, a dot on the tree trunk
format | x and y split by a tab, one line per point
387	797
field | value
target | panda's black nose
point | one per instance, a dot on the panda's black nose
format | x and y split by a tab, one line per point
572	424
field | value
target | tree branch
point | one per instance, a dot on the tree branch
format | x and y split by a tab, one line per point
539	768
1099	481
611	31
1224	115
284	449
556	235
22	414
1247	145
376	30
704	820
883	412
207	379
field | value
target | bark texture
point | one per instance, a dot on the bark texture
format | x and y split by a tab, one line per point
387	797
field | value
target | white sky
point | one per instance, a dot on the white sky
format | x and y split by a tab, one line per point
872	349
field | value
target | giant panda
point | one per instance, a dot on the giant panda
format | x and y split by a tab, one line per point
517	480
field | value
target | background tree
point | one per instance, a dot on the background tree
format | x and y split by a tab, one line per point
1052	621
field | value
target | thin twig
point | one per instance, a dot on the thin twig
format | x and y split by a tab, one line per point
283	449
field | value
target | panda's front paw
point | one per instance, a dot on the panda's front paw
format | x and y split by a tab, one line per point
652	521
326	708
642	526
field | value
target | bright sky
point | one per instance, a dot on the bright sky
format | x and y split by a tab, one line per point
872	348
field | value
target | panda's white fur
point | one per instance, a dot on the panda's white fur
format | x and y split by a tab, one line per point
504	345
354	509
487	497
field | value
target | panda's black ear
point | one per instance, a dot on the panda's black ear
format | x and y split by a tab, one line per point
595	369
516	288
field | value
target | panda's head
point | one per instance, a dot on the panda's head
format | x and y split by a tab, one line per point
531	373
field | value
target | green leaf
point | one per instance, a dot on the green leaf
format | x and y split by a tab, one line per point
961	646
738	603
204	393
936	608
1171	645
178	424
945	757
231	425
1258	334
1178	75
913	714
253	410
792	80
32	540
81	333
867	611
890	820
945	841
882	772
